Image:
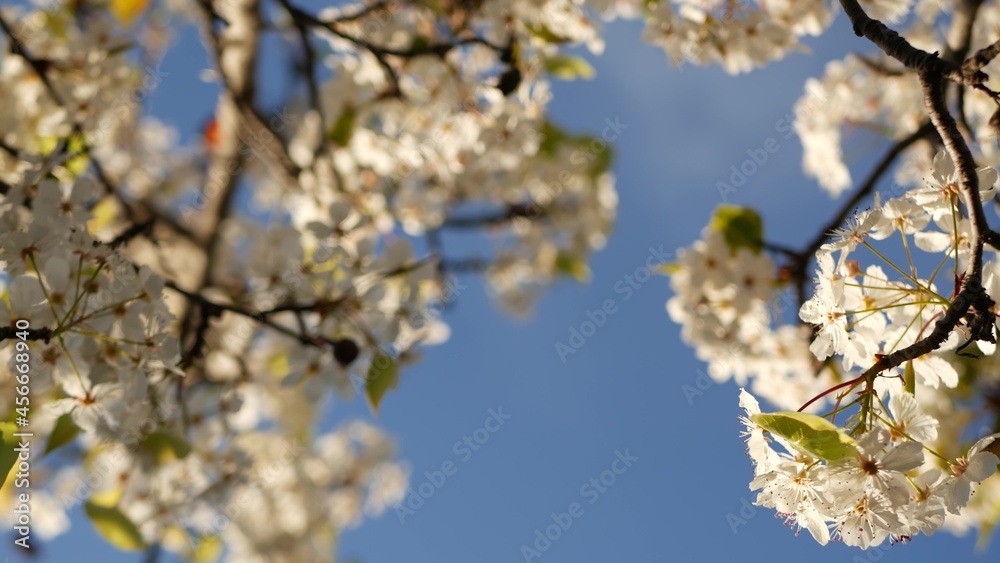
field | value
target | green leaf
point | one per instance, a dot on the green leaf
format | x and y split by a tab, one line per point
209	550
668	268
164	447
109	498
62	433
909	378
75	145
115	527
126	11
595	150
119	49
810	434
602	160
572	266
552	137
382	376
740	226
103	214
343	129
568	67
8	457
543	32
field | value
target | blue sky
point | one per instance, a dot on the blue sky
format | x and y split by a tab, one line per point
682	497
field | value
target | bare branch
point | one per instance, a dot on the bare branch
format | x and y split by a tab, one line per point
982	57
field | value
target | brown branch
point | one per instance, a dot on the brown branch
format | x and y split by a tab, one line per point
136	229
879	67
17	47
10	149
959	39
211	308
802	259
780	249
365	11
9	332
494	218
958	44
466	265
965	163
149	212
235	51
309	62
982	57
971	302
439	49
380	52
900	49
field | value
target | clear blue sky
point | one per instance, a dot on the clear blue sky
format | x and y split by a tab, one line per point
623	389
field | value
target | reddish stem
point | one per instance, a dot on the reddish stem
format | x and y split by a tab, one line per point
831	390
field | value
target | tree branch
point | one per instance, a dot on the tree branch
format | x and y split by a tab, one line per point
10	332
235	51
900	49
971	302
380	52
493	218
803	257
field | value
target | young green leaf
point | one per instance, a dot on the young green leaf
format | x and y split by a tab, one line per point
811	435
8	457
126	11
75	145
209	550
382	376
165	447
567	67
115	527
62	433
572	266
343	129
552	137
545	33
740	226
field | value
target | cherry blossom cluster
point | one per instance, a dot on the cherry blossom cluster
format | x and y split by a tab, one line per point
884	280
857	314
425	141
725	300
106	317
180	343
884	485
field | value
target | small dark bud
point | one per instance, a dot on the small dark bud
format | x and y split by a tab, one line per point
509	80
507	55
345	351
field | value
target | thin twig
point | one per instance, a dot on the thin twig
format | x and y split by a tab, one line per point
803	258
